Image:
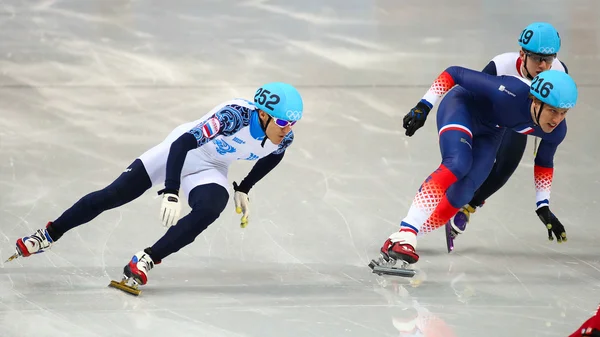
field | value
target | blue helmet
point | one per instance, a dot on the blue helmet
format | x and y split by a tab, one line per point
280	100
555	88
540	38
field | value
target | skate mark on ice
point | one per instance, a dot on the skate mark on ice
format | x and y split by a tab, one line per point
521	282
45	312
102	254
349	233
116	86
288	253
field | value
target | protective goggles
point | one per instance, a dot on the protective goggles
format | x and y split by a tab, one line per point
538	58
282	123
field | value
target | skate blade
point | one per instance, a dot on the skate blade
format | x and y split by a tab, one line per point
14	256
380	269
403	272
449	239
133	290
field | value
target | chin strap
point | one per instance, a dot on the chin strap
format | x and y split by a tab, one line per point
264	128
525	67
538	114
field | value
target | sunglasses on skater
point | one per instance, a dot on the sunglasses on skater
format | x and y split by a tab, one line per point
282	123
538	58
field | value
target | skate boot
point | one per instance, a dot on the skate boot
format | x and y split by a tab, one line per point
461	219
397	253
135	273
458	225
33	244
402	247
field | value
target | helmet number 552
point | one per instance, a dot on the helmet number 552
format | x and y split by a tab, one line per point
545	89
266	98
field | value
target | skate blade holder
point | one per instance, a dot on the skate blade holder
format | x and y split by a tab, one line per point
123	286
402	271
14	256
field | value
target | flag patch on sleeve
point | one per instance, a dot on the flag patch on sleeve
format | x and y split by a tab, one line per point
211	127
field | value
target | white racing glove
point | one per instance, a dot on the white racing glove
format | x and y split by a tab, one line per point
170	208
241	204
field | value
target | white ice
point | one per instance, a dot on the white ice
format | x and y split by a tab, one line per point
86	86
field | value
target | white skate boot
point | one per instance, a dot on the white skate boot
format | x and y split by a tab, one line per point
135	271
33	244
398	248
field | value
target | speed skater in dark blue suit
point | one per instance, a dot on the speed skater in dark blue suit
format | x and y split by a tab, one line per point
471	121
540	43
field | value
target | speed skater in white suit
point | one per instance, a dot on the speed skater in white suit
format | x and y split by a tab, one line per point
193	162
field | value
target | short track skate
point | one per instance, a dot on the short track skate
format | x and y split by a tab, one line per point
449	237
389	266
12	257
17	254
127	284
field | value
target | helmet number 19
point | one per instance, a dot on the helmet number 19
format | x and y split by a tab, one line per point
526	36
266	98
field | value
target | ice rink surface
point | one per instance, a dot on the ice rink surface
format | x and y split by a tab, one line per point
86	86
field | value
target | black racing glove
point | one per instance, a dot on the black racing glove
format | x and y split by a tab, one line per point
415	119
552	224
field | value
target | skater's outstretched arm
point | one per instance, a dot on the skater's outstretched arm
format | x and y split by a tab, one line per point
477	82
543	172
262	167
265	165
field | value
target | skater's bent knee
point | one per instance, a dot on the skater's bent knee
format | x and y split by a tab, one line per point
461	192
459	165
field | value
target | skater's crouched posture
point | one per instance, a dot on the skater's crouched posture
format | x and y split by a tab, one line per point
472	119
192	161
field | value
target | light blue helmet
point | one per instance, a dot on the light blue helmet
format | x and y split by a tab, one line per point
540	38
555	88
280	100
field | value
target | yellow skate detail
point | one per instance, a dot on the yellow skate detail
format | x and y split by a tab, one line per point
14	256
123	286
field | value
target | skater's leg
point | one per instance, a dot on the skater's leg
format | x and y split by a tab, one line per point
456	143
483	161
132	183
508	157
484	149
207	203
456	139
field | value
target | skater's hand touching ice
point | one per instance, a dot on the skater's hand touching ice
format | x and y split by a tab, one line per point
170	208
552	224
241	204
